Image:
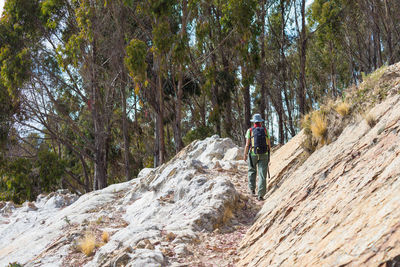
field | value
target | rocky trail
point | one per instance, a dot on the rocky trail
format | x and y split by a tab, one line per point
220	247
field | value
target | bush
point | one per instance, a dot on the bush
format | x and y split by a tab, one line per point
105	236
24	179
371	120
343	109
318	126
87	244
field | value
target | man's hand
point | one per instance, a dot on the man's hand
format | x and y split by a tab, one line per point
245	158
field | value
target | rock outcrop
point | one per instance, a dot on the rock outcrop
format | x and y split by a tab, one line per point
150	219
341	206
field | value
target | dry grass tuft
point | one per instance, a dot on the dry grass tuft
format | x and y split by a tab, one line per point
105	237
343	109
371	120
318	126
87	244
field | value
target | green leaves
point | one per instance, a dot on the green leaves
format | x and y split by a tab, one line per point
23	178
14	68
135	59
162	36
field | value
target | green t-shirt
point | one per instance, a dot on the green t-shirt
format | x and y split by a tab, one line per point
248	136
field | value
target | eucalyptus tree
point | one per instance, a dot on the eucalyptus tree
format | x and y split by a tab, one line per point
215	43
73	73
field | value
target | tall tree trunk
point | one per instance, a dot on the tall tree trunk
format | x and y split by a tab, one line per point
290	118
100	157
85	172
178	106
247	109
283	76
119	17
178	114
160	117
303	49
100	164
125	134
333	72
280	121
389	34
156	152
262	76
215	101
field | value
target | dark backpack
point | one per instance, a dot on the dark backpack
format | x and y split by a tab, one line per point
259	140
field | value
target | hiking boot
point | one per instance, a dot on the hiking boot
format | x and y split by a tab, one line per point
260	198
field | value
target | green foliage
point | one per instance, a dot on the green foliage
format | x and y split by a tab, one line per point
23	178
14	264
162	37
161	7
16	181
14	68
7	109
135	59
51	12
198	133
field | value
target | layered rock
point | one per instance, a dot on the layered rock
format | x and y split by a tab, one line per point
148	218
341	206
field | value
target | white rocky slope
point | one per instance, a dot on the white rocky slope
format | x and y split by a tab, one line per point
149	218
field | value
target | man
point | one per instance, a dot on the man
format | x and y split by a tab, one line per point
258	141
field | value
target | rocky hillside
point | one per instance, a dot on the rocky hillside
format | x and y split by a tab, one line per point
337	206
341	205
186	211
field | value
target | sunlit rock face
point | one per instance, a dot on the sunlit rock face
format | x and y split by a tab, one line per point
341	206
149	218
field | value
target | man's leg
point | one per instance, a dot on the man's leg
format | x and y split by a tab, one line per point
252	173
262	172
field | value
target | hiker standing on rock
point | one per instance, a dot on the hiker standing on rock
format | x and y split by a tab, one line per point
258	155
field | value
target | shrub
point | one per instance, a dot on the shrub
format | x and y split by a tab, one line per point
87	244
105	236
309	143
371	120
343	109
318	126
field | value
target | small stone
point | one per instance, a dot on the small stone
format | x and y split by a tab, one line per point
32	206
149	246
217	231
170	236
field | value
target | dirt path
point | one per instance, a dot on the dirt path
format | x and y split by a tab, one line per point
219	248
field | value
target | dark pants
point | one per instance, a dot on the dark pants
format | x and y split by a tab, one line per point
260	163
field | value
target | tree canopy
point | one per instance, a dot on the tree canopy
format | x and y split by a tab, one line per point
92	91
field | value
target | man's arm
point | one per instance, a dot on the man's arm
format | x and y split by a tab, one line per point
246	149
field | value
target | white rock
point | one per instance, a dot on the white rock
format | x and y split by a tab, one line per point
235	153
181	250
178	197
